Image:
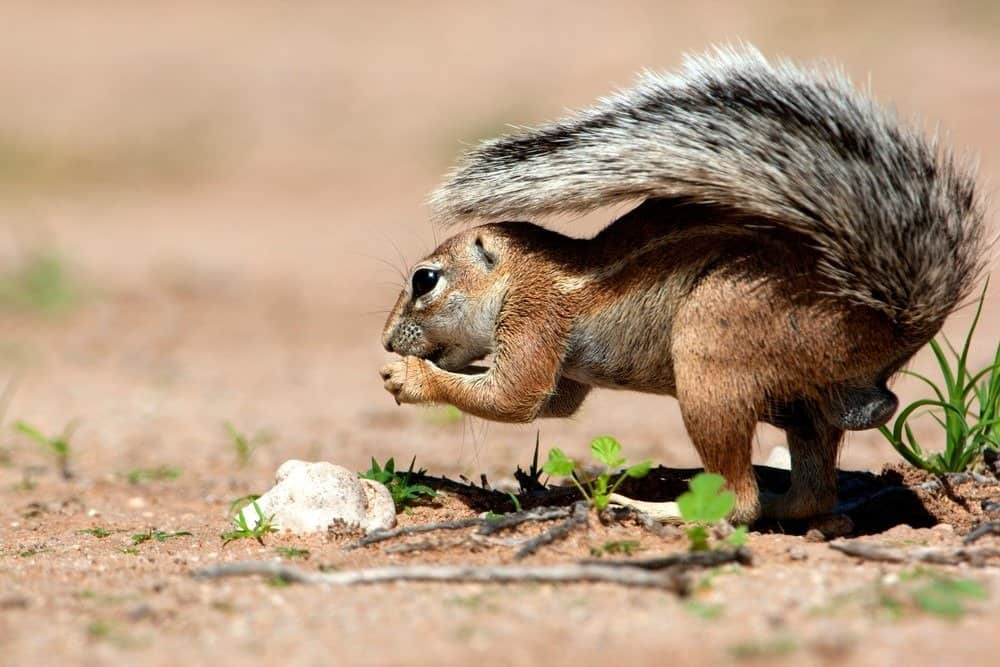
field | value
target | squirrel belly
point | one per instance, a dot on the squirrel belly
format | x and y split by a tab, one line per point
753	305
796	244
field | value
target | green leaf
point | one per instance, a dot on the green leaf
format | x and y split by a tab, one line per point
739	536
558	464
32	432
706	502
607	450
706	484
378	474
640	469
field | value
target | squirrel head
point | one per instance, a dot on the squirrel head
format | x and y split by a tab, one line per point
448	312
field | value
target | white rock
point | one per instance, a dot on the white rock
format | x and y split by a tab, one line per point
309	497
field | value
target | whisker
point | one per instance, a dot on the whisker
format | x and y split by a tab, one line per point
402	274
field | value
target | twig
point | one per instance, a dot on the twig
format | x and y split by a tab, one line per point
670	580
577	518
487	526
382	535
941	555
688	559
985	528
423	545
490	526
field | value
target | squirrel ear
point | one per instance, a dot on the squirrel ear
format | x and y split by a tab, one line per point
489	259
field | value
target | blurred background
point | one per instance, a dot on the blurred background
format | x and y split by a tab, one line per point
205	207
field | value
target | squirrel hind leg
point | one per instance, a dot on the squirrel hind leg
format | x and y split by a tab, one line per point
723	436
860	408
813	444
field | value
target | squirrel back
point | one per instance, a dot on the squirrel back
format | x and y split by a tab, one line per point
894	217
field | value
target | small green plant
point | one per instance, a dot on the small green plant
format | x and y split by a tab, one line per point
163	472
967	408
404	492
947	597
32	551
262	526
705	610
705	503
242	502
130	551
616	547
291	552
96	531
58	446
596	491
40	282
99	630
707	581
244	446
763	649
939	594
514	501
158	535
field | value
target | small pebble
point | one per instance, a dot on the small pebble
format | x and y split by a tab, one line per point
140	612
833	643
136	502
722	530
833	525
14	602
797	553
815	535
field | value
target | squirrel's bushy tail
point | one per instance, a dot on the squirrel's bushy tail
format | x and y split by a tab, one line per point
894	217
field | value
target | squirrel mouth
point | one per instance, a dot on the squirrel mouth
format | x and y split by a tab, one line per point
468	367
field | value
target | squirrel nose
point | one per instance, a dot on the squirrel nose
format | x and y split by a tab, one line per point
387	340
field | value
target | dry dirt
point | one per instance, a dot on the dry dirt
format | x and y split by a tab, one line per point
233	187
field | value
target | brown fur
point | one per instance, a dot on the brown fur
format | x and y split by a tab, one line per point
737	324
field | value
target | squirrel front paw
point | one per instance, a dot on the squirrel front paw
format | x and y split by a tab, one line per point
404	379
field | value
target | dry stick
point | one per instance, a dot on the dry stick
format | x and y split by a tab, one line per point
424	545
382	535
941	555
670	580
577	518
985	528
486	526
688	559
514	519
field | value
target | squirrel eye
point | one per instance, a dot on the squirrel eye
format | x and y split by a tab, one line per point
424	281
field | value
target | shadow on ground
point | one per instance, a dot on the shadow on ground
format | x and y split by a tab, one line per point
874	502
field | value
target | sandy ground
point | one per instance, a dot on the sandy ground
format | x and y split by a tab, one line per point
234	189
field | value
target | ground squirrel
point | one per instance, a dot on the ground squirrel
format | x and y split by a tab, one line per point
796	244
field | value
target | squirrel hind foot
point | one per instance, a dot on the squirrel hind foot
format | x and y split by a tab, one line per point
861	408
